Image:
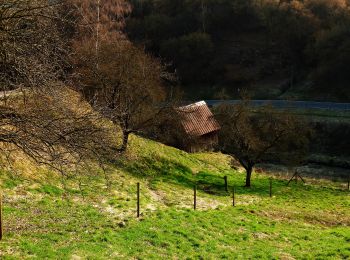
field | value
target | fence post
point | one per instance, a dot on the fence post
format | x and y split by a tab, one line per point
226	184
138	199
270	187
233	197
1	228
194	197
349	182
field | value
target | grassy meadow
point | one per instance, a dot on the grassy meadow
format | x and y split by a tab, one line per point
50	217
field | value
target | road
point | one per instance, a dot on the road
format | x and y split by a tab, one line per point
275	103
289	104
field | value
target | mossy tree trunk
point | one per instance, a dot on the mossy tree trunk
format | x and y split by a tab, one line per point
125	141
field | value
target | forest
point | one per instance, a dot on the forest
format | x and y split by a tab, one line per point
291	49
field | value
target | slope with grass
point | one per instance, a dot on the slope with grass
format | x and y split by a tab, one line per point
47	216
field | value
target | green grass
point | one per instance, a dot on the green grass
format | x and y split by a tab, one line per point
45	220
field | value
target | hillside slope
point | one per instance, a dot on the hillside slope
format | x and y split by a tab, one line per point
46	216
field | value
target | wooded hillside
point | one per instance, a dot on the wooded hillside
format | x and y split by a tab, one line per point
277	49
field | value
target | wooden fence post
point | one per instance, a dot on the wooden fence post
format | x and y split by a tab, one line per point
270	187
138	199
233	197
195	197
226	184
1	227
349	182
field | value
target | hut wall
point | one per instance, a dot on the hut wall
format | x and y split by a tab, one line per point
202	143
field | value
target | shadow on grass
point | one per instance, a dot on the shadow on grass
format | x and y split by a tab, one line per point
164	170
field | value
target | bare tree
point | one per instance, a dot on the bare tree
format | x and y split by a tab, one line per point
119	80
98	19
249	136
31	50
56	129
43	118
126	87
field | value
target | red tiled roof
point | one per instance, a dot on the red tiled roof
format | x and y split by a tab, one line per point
197	119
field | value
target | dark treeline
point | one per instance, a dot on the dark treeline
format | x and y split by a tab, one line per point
276	49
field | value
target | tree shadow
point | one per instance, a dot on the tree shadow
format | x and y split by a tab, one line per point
165	170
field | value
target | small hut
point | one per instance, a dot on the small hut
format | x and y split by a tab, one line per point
198	128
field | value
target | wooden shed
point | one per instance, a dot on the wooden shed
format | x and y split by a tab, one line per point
198	128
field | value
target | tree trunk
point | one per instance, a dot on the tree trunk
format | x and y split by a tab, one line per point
125	141
249	170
